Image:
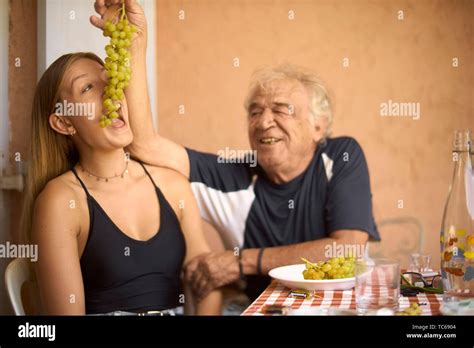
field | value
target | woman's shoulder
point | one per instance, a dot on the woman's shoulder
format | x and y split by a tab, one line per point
59	207
174	186
61	188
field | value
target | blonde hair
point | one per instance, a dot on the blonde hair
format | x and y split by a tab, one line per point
50	153
320	104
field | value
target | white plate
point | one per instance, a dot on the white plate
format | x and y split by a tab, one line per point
292	277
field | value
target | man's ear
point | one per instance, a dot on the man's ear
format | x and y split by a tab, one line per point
61	125
320	126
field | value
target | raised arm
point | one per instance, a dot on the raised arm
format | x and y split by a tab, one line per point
147	146
55	231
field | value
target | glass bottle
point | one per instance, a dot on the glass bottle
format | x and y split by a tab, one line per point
457	230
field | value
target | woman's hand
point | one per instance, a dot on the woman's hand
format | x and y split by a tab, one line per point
111	10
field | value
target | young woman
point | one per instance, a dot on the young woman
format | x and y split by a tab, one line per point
112	233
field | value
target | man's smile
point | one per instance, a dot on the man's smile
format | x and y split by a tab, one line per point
269	140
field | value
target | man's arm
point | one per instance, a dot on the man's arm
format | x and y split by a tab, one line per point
291	254
203	274
147	146
160	152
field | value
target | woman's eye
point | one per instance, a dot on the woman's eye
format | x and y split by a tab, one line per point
88	88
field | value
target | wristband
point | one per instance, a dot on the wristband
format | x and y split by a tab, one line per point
241	268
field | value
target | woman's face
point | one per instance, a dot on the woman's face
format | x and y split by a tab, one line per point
80	107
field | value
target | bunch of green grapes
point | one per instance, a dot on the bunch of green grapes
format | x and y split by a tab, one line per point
117	65
335	268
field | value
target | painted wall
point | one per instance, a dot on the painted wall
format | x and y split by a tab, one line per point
390	58
4	208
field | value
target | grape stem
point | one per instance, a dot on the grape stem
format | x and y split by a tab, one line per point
123	11
123	15
310	263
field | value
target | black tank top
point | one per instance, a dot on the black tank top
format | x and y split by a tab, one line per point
122	273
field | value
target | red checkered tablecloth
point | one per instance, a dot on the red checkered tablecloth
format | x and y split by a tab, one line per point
277	294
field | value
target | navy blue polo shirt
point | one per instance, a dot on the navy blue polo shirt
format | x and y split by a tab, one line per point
250	211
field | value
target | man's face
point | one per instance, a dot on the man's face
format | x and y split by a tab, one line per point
282	128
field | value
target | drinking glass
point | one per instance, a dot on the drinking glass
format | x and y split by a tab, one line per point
420	263
377	285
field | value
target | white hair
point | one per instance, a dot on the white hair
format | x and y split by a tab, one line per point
320	105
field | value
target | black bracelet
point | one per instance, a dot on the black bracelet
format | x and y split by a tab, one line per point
241	268
259	261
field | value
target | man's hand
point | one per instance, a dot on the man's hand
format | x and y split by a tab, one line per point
110	10
210	271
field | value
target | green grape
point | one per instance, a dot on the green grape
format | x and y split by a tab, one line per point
326	267
110	27
108	103
113	115
414	309
110	51
122	52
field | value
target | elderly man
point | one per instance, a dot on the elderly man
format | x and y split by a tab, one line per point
308	191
